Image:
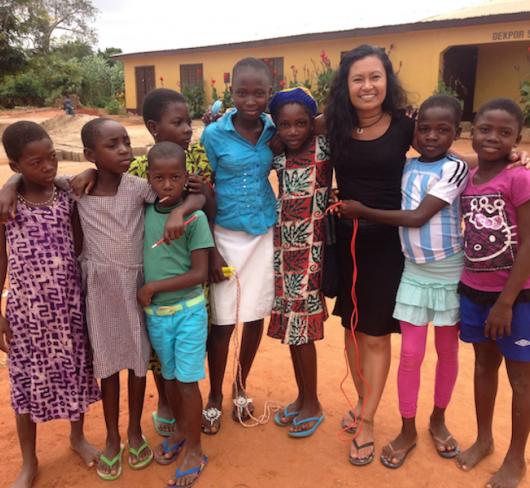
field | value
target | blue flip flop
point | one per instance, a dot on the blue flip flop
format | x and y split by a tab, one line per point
288	415
195	470
309	432
174	450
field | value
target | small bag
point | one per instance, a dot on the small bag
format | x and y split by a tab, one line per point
330	271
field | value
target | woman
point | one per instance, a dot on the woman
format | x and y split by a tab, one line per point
369	136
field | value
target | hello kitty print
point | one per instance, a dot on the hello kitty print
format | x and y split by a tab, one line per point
490	235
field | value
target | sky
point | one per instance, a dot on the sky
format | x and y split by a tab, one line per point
140	25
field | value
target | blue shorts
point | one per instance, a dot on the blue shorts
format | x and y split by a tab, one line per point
178	335
516	347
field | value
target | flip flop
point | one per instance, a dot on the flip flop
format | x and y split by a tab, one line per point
211	415
350	427
364	460
195	470
136	453
308	432
174	450
389	464
157	420
110	464
288	415
439	442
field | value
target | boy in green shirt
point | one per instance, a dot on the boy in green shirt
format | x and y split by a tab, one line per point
175	307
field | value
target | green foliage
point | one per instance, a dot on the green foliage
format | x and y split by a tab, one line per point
525	101
12	56
324	75
115	107
227	98
43	19
318	80
443	89
196	100
100	81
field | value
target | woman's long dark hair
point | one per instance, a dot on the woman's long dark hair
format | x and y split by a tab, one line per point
341	116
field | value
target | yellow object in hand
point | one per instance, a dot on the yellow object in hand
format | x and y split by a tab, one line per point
228	271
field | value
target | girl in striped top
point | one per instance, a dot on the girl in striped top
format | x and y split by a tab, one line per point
431	240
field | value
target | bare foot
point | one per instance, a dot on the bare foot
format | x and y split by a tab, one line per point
445	443
471	457
193	461
365	435
396	450
27	475
509	475
306	413
86	451
211	417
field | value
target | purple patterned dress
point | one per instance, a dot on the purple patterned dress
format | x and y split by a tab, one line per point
50	364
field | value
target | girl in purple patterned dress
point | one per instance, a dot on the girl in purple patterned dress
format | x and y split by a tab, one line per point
44	330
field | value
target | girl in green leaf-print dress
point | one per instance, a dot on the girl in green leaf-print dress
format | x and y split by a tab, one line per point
299	310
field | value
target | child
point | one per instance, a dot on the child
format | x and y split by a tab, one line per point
174	302
299	310
432	244
237	147
167	118
113	222
495	285
43	331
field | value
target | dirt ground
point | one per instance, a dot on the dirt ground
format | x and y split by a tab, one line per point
265	456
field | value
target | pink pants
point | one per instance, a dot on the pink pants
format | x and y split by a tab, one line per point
413	343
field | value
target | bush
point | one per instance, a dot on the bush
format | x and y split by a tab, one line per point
115	107
195	98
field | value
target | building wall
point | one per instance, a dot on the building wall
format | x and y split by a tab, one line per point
500	71
416	55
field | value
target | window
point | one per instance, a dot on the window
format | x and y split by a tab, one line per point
276	67
190	76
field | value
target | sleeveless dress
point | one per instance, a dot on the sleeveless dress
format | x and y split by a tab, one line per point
50	365
299	309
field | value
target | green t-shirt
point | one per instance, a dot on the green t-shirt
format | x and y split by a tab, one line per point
169	260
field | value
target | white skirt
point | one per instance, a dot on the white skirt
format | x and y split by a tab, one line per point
252	257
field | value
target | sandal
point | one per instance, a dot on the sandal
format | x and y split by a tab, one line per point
195	470
439	442
350	427
174	450
387	462
110	464
243	408
157	420
141	464
285	414
366	459
211	415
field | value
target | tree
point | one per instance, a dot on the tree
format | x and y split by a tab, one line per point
12	57
44	19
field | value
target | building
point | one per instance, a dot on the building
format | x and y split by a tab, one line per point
480	52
